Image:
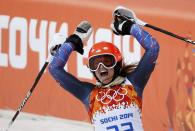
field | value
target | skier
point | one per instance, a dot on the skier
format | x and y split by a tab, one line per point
115	101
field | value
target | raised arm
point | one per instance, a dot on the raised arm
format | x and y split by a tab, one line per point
141	74
70	83
122	26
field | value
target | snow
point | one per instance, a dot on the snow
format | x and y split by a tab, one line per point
32	122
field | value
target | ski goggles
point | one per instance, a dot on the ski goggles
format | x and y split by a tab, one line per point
107	60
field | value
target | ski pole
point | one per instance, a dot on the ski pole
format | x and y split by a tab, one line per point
29	93
127	14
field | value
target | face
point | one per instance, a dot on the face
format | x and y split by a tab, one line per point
104	75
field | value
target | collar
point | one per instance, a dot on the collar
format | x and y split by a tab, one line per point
119	80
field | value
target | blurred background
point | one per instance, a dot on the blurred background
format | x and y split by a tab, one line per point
26	27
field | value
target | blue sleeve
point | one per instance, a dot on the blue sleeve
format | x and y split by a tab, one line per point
79	89
141	74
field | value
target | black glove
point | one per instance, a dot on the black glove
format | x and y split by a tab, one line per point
81	34
77	42
121	26
123	19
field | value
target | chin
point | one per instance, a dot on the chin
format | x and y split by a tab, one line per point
106	82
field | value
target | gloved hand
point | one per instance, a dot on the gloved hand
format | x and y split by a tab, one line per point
56	42
123	19
80	35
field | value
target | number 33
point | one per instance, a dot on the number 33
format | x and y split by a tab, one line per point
115	127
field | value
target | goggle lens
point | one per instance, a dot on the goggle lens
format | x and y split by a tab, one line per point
107	60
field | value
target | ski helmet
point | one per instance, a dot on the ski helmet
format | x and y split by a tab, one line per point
106	48
103	47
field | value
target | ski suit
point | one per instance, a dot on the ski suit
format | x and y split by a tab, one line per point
117	108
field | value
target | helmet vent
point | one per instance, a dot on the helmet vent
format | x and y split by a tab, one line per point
97	51
105	48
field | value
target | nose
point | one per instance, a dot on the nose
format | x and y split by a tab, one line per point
101	66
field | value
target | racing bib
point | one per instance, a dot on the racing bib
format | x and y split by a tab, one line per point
116	109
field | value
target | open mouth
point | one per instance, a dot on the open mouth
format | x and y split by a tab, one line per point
105	73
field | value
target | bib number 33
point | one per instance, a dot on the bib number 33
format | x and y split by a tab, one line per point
127	125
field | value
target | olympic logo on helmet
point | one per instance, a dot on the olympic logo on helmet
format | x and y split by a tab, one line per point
103	97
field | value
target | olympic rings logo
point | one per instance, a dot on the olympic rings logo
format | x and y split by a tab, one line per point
103	96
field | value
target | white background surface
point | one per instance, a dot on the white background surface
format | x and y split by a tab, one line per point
30	122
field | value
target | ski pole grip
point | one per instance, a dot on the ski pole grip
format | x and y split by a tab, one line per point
49	58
